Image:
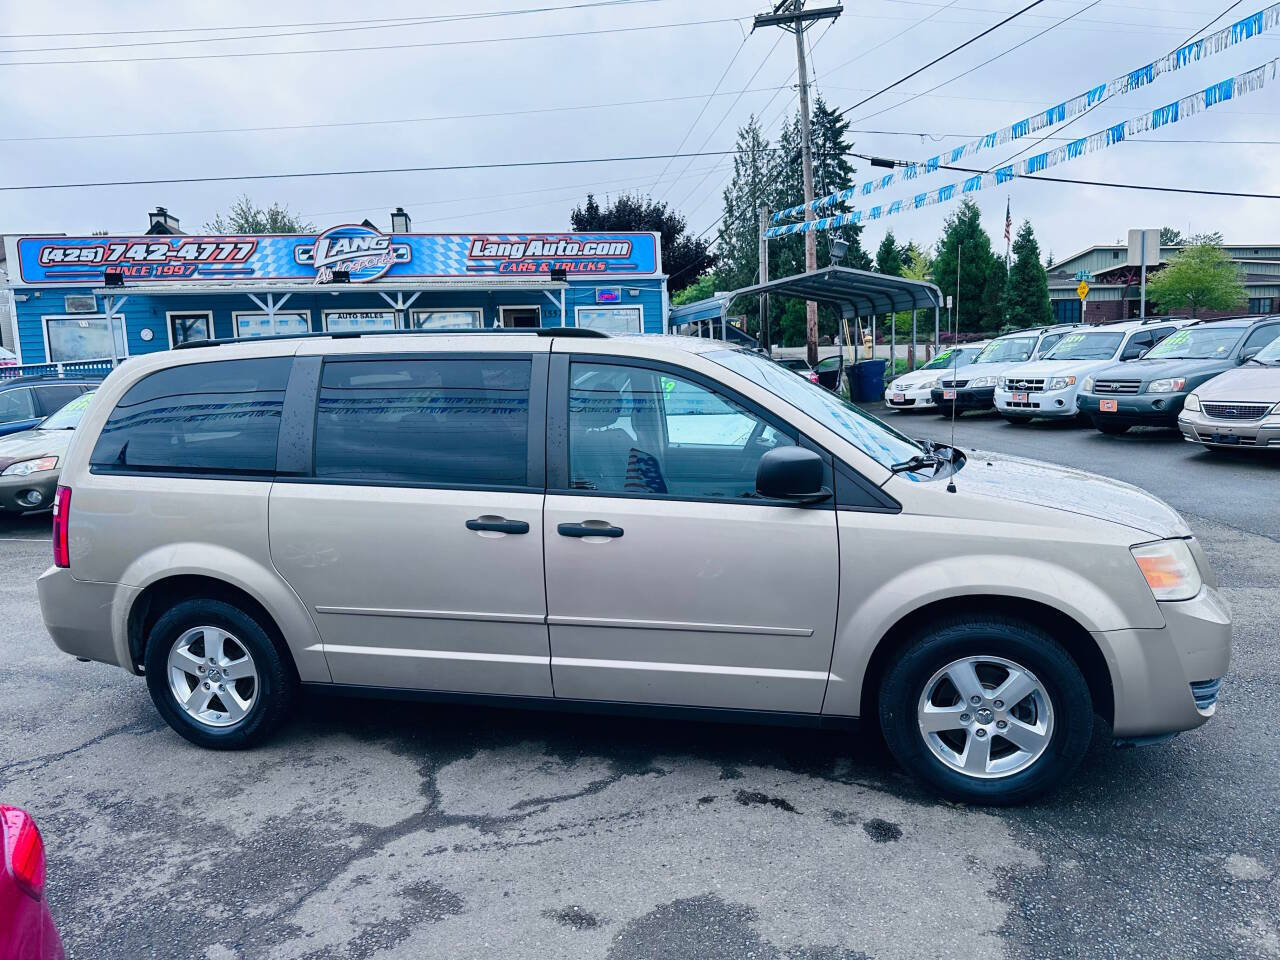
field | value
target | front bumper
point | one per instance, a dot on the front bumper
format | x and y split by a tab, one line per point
1153	671
967	398
915	398
1135	409
86	618
1056	404
32	492
1197	428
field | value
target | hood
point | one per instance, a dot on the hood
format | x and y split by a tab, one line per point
33	444
987	369
1158	369
1060	368
1074	491
1248	384
914	378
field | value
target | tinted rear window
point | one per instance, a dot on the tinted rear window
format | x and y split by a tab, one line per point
435	422
221	417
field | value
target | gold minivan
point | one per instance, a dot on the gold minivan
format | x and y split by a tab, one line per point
557	517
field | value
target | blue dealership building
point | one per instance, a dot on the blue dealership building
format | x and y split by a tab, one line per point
87	298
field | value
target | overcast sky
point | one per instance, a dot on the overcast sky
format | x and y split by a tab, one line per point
528	80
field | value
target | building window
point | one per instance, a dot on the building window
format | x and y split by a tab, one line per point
516	317
83	338
445	319
185	327
609	319
1260	304
344	321
1115	254
211	418
1066	310
257	324
437	422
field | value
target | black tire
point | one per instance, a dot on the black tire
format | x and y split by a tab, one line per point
1111	429
942	643
1016	421
275	686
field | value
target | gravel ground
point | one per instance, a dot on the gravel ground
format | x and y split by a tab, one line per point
396	830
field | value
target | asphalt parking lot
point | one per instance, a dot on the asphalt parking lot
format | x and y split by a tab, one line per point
404	830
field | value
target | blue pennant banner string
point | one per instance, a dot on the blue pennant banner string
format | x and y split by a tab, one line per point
1230	89
1264	21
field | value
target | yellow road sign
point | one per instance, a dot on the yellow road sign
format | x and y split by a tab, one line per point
1082	291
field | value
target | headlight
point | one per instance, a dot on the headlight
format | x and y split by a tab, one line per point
1191	403
1001	382
1061	383
1169	568
983	382
931	385
1172	385
1087	386
27	467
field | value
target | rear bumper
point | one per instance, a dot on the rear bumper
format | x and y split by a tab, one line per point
18	493
1135	410
967	398
1198	428
85	618
1153	671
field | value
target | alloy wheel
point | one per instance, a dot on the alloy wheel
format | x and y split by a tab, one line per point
985	717
212	676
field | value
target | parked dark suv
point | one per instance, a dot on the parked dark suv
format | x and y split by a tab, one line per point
1150	391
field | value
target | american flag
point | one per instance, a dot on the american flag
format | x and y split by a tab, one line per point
1008	222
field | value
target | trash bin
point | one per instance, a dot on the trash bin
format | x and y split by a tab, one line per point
867	382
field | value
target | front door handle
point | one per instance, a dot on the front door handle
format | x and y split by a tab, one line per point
595	528
498	525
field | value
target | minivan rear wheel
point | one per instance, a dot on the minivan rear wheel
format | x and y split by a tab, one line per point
216	676
988	711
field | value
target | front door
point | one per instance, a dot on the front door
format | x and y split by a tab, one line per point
668	581
417	541
520	317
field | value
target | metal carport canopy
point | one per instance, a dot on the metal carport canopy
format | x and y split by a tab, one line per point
855	293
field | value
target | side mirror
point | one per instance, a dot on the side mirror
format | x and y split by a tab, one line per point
1246	357
793	474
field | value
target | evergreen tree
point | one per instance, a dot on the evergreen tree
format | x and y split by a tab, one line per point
748	191
890	257
1026	296
982	274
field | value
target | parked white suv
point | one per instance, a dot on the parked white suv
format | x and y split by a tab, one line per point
1047	387
666	524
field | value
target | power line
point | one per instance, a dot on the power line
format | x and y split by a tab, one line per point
1157	188
374	123
683	140
1089	109
441	18
956	49
439	168
979	66
918	23
169	58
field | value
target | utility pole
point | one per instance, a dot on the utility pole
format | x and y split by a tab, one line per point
791	15
764	278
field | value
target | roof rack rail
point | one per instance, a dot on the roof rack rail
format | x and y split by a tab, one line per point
1241	316
573	332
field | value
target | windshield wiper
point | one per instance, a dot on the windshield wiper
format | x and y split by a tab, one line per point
1261	363
918	461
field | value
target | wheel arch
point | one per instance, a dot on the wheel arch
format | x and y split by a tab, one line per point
1077	640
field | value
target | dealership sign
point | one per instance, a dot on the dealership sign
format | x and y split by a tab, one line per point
363	253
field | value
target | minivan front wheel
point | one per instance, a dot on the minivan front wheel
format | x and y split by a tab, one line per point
991	711
216	676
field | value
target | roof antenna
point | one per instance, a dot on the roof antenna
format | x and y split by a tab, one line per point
955	356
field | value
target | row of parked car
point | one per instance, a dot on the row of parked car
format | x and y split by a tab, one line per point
1218	381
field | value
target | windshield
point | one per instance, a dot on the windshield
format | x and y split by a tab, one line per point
1270	353
68	418
1008	350
877	440
1197	343
960	356
1086	346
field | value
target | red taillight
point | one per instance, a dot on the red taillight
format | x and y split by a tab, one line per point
813	377
61	518
23	850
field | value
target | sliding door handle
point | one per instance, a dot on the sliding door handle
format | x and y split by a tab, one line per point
498	525
593	528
